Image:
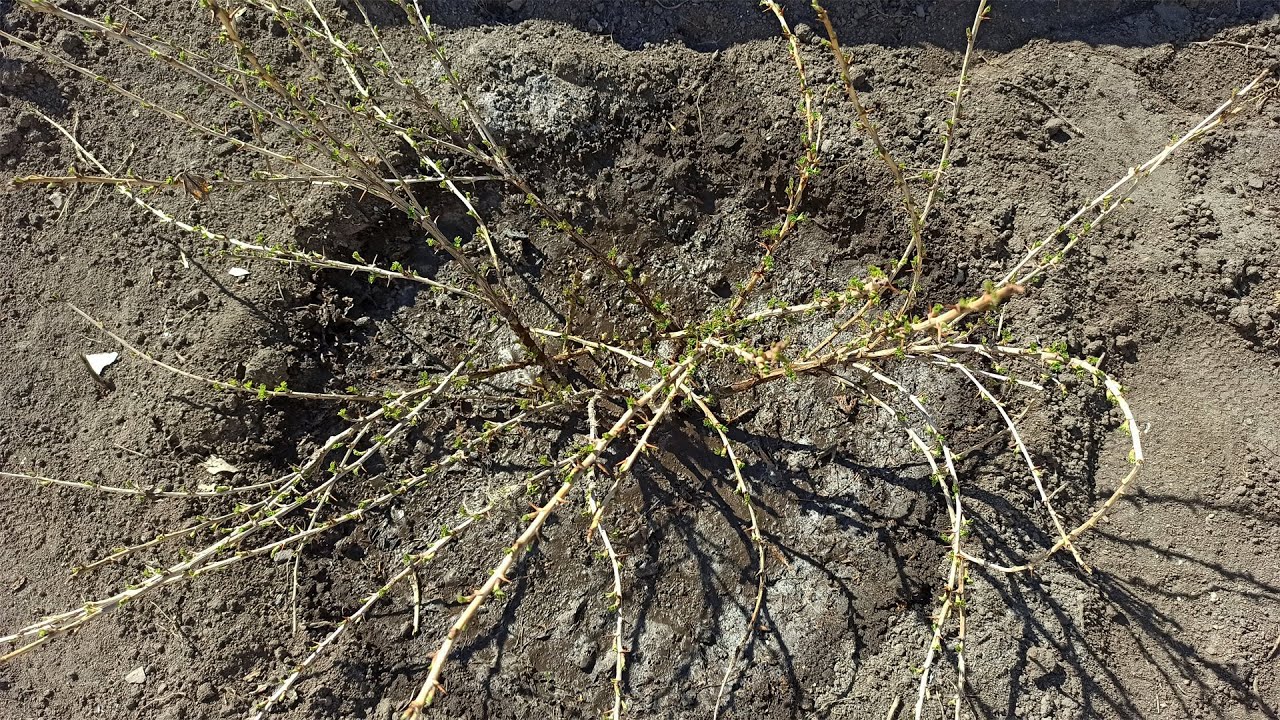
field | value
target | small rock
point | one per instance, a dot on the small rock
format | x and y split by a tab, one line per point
174	712
194	299
28	120
1256	183
1043	661
593	25
1242	318
1056	129
584	653
920	11
706	633
267	367
57	200
69	42
10	141
803	32
13	74
861	78
647	569
516	5
1126	344
136	676
727	142
1210	258
206	692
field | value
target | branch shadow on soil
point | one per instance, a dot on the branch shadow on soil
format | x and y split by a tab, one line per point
1185	674
681	490
1075	641
710	487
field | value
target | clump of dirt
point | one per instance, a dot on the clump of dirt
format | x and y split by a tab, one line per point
668	131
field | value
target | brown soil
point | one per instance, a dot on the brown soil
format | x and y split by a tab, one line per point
671	133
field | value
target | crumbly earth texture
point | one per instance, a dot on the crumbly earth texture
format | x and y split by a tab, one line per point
669	130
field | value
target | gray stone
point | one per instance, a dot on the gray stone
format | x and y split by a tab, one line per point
1241	317
13	74
584	653
727	142
194	299
861	79
267	367
69	42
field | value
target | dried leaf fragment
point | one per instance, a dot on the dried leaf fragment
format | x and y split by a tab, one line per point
216	466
